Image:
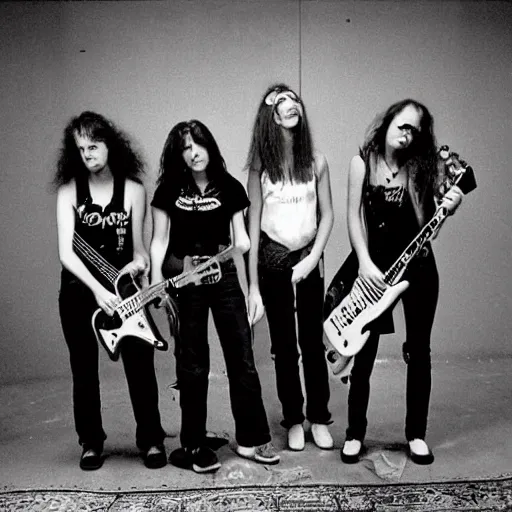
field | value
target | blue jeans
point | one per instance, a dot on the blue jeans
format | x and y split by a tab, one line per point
277	293
76	306
227	303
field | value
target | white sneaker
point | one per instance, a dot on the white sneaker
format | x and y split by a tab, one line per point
296	440
321	436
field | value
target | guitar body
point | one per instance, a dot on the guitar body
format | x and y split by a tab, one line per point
347	325
111	330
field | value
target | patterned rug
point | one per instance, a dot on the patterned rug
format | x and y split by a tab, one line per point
488	495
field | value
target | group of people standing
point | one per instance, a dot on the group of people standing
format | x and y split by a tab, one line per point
198	210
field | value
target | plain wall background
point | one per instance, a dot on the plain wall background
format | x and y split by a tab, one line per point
148	65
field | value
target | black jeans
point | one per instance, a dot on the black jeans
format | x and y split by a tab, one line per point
278	297
227	303
419	302
76	306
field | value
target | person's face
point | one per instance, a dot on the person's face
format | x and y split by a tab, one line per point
403	128
287	109
94	153
195	156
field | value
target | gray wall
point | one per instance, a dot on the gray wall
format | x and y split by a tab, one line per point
148	65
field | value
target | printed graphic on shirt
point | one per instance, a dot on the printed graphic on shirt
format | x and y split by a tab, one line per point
119	220
195	202
394	195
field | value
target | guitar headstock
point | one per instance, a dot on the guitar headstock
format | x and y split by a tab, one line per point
455	171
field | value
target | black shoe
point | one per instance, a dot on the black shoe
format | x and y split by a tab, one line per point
204	460
200	460
91	459
422	460
155	457
352	458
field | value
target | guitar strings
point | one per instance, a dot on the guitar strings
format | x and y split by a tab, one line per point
103	266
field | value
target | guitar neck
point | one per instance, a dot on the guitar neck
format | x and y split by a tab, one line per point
97	264
429	230
147	295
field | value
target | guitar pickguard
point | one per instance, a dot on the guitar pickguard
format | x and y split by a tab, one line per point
111	330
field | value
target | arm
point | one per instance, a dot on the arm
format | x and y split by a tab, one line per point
69	259
306	265
356	230
242	244
136	201
240	238
255	302
159	242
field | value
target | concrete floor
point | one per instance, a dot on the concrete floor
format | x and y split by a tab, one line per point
470	428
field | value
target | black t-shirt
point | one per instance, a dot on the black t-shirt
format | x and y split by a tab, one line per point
200	223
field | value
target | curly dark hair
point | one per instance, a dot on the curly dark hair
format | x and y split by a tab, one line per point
123	160
266	152
172	166
420	157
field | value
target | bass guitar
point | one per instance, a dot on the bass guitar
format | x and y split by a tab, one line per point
346	326
131	316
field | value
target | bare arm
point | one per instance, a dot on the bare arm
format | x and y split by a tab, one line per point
255	303
159	242
136	201
240	238
326	221
69	259
241	242
356	228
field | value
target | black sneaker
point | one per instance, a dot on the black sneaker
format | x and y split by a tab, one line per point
204	460
200	460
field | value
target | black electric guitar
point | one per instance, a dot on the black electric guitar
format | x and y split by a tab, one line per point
346	326
131	316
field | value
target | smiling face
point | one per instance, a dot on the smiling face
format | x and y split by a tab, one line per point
195	156
287	109
94	153
403	128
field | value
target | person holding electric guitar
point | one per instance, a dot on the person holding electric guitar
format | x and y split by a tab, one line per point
393	187
197	212
100	212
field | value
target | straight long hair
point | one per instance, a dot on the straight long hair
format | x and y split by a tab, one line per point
266	152
173	168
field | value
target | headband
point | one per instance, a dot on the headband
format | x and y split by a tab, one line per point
273	96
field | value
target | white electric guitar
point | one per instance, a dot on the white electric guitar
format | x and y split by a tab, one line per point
346	327
131	316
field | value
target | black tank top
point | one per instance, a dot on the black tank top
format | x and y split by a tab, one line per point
391	222
106	230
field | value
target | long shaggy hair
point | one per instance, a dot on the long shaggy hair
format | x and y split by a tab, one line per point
266	152
420	157
173	168
123	160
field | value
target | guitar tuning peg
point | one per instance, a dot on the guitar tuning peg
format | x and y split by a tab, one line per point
444	152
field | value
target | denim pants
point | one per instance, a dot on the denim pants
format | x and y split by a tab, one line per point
419	303
76	306
278	297
227	303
